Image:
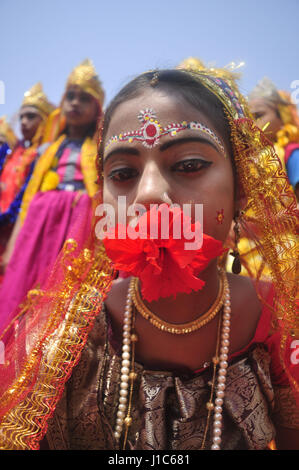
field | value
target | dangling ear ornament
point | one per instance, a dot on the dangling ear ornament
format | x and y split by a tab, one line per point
236	266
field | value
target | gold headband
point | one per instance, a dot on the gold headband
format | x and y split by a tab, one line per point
222	83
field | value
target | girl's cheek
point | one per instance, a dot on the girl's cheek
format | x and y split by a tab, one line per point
217	221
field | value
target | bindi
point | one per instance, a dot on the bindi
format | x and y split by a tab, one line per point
151	131
220	217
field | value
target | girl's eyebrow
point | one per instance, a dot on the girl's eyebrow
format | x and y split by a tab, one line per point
183	140
124	149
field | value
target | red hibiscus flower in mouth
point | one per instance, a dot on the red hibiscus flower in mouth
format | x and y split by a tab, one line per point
155	252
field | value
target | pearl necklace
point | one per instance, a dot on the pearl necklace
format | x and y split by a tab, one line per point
128	377
223	364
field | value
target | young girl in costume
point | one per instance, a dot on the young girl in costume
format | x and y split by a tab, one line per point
8	141
275	113
60	188
156	347
16	169
274	110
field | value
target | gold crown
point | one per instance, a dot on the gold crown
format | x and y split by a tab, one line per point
7	132
85	76
37	98
266	90
279	99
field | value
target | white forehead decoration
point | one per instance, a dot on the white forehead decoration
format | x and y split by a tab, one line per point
151	131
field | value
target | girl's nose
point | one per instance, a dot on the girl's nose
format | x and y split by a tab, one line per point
153	188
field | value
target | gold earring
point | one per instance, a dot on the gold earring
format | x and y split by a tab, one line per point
236	266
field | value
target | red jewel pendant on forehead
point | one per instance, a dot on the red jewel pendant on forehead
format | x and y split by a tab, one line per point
151	129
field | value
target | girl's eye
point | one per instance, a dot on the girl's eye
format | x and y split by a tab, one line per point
122	174
31	116
84	98
190	165
258	115
70	96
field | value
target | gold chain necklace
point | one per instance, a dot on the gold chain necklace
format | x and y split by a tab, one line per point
183	328
210	404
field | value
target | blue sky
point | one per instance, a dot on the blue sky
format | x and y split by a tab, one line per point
42	40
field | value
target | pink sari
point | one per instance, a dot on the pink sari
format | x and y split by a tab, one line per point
51	219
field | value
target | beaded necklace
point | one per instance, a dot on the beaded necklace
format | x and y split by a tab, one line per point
128	374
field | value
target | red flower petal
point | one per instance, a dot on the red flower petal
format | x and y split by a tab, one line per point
169	282
163	265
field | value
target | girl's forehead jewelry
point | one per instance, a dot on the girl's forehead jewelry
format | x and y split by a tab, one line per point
151	131
154	81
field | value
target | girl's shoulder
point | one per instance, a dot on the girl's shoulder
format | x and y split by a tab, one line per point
250	316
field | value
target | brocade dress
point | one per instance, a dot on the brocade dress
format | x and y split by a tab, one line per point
168	409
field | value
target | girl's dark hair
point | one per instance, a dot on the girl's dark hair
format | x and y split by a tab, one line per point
181	84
